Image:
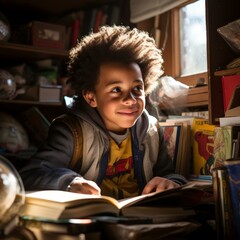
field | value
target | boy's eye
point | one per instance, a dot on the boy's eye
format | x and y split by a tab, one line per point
138	88
116	89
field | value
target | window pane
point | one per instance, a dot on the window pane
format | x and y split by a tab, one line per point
193	38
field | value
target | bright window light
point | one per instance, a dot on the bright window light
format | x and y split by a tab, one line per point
193	43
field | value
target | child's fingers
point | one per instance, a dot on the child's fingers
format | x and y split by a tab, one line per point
84	186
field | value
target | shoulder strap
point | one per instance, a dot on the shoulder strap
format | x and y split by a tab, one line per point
159	129
73	124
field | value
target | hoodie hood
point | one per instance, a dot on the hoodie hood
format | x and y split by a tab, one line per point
81	108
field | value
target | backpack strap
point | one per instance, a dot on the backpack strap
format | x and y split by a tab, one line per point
73	123
159	129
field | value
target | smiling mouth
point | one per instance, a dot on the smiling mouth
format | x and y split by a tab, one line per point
128	112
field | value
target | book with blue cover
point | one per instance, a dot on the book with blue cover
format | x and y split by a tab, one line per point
233	177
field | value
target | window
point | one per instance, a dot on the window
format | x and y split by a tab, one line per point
192	25
182	38
189	43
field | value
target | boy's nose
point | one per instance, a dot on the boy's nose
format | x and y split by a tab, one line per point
130	98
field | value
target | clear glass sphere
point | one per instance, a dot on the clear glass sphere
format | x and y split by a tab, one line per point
13	136
7	85
5	31
12	193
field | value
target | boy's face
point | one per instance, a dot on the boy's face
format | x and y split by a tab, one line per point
119	96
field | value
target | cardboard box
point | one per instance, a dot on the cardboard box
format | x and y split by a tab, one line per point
50	93
43	93
48	35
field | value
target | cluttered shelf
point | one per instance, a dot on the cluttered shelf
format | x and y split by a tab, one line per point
194	97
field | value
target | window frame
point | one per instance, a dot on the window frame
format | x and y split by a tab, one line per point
173	49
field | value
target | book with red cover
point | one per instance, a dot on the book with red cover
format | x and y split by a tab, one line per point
75	32
229	84
98	20
233	109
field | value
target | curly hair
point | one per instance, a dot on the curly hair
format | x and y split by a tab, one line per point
114	44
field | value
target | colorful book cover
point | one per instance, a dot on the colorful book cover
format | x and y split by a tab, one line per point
203	146
233	177
178	138
172	135
222	145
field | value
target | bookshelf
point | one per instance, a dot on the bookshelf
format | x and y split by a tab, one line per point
18	51
14	52
219	13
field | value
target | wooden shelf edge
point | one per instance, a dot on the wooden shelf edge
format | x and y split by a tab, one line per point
29	102
186	105
231	71
6	46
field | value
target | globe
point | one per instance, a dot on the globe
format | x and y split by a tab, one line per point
7	85
13	137
12	193
4	28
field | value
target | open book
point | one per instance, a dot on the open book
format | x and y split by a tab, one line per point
55	204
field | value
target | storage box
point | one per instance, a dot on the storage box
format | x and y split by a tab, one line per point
43	93
48	35
50	93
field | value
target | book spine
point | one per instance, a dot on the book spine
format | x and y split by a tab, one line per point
98	20
216	195
233	180
75	32
226	209
236	152
219	148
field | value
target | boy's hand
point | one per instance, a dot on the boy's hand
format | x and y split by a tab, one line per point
158	184
81	185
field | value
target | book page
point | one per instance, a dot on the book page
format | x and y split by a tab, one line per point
64	198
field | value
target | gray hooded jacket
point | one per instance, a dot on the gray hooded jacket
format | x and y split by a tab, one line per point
49	168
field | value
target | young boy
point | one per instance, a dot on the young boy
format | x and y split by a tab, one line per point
123	152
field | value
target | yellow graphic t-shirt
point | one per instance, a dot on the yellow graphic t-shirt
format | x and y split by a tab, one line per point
119	181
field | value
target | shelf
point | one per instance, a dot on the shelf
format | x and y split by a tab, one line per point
231	71
49	109
28	102
20	52
196	97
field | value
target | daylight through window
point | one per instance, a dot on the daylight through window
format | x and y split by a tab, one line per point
193	43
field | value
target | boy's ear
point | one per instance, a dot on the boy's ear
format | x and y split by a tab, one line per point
90	98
